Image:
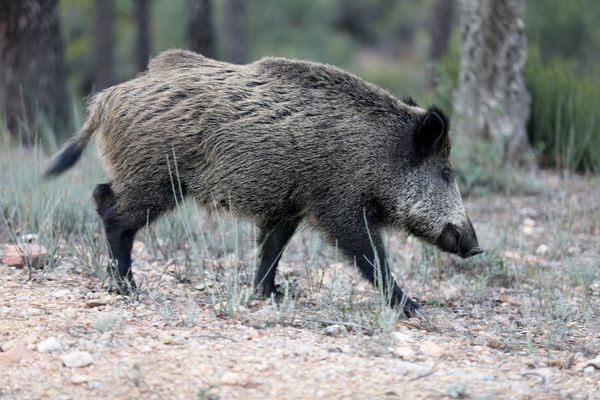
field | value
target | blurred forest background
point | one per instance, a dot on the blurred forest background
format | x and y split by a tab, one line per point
56	53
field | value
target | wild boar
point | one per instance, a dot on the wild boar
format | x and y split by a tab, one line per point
278	142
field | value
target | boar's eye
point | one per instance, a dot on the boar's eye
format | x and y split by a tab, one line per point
447	174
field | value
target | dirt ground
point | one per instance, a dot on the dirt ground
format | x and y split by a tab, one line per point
524	324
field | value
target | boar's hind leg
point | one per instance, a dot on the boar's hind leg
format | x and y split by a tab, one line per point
123	215
366	249
273	238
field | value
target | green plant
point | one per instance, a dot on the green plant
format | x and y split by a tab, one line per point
564	124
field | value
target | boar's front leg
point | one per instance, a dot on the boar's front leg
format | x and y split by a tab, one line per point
362	243
273	238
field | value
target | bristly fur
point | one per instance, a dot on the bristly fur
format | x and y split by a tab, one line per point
278	141
410	101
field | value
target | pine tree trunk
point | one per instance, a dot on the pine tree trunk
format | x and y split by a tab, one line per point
492	101
103	44
142	35
32	70
235	41
200	29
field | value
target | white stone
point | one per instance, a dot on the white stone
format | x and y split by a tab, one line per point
79	379
77	359
542	249
49	345
410	368
334	330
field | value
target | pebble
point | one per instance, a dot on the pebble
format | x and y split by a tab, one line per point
77	359
231	378
333	330
61	293
49	345
542	249
409	368
16	256
79	379
405	353
431	349
402	337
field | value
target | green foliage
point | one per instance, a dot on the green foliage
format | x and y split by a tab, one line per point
566	30
564	124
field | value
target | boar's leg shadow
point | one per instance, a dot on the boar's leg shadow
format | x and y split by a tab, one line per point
274	236
123	215
361	242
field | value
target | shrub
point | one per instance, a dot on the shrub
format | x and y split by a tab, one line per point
564	125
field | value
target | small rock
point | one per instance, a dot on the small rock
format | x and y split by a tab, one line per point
231	378
594	363
61	293
456	390
431	349
410	368
333	330
495	344
589	370
17	256
77	359
34	311
542	249
405	353
402	337
528	227
202	286
93	303
30	238
79	379
50	345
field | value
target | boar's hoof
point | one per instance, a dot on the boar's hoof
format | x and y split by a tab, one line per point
266	291
277	292
421	314
124	287
413	310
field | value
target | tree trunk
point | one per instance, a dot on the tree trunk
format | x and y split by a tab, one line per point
103	44
32	70
492	101
200	29
441	29
142	35
235	41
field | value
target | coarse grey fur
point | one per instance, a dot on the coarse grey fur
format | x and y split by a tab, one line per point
279	142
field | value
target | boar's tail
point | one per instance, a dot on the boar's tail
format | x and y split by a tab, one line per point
69	154
71	151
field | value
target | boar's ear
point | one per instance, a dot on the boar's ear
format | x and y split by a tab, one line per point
431	132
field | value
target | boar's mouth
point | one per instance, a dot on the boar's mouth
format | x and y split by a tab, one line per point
459	241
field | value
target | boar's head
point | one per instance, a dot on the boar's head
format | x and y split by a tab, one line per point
430	201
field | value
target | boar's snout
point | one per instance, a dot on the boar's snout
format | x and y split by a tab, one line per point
461	241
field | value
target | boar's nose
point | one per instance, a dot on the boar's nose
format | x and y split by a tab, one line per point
473	252
449	239
468	245
460	241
